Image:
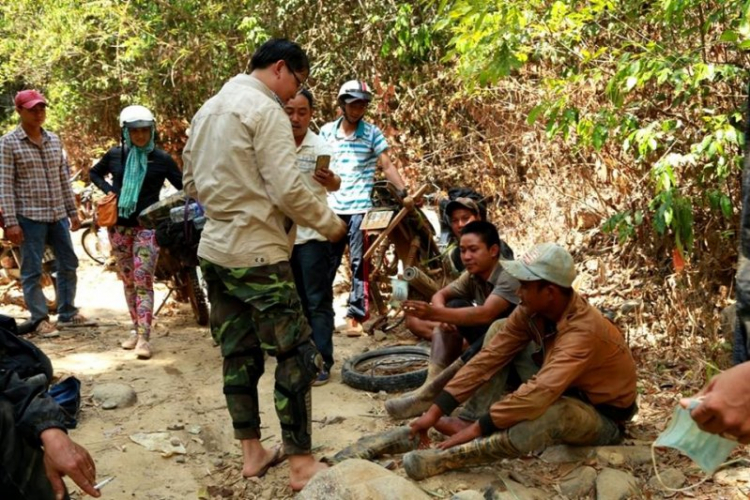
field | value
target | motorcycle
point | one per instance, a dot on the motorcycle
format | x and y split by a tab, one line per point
10	270
404	248
94	239
177	265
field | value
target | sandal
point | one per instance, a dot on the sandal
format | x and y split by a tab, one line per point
77	321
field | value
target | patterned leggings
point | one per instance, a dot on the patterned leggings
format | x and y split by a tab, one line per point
136	252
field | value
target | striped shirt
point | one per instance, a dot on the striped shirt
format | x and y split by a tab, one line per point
355	160
34	180
307	155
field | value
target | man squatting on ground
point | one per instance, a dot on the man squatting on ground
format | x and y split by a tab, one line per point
463	310
240	164
583	394
311	256
358	147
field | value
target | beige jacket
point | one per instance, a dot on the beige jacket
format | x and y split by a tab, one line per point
239	162
583	352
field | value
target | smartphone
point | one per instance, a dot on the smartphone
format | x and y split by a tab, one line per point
322	162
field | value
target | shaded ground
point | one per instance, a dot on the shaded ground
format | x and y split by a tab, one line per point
180	389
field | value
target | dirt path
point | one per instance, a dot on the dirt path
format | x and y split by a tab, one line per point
180	389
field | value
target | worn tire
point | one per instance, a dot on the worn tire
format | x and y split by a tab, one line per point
353	376
90	244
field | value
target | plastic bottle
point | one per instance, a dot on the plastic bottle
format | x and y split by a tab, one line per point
177	214
199	222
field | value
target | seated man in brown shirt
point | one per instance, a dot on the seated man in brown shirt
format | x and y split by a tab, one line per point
583	394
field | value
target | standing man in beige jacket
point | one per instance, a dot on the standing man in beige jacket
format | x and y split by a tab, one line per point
240	164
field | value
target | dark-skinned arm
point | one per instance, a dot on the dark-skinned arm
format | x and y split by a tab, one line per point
493	307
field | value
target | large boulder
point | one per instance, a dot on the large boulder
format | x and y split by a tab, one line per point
355	479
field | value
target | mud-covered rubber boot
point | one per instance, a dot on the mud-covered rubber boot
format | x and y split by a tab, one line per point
419	401
389	442
421	464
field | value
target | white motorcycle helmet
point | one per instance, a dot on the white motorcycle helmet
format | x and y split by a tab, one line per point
136	117
354	90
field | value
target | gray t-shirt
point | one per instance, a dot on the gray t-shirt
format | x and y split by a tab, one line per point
475	289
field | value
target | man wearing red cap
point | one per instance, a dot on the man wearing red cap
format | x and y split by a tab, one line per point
38	207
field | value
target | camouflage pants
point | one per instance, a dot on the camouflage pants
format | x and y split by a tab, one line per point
256	310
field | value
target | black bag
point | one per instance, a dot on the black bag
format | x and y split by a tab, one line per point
20	355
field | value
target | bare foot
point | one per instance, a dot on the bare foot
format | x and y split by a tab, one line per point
451	425
302	468
258	463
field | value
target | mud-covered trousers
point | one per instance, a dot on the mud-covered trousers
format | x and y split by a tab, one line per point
256	310
22	474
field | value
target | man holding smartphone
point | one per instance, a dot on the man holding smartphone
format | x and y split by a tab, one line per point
312	251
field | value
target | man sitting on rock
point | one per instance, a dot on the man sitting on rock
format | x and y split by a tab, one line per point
583	394
464	310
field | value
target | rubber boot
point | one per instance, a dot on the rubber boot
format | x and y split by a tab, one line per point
421	464
420	400
389	442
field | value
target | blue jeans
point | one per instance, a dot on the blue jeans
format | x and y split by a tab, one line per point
310	266
358	300
35	236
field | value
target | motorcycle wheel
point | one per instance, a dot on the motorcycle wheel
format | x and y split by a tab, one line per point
196	295
90	244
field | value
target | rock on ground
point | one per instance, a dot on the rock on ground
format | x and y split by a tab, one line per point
578	482
468	495
114	395
613	484
672	478
621	455
355	479
564	453
507	489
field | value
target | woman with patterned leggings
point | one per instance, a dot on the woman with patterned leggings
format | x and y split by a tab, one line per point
138	173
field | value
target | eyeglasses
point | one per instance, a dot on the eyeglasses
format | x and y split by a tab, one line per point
300	83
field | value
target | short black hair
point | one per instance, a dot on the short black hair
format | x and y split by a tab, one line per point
307	95
486	231
280	49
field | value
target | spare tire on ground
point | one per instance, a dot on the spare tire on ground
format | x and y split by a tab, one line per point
390	369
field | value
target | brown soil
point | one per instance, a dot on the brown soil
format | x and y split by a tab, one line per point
180	388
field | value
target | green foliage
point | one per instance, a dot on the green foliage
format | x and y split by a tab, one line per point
653	86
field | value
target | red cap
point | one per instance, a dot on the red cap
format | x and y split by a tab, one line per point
29	98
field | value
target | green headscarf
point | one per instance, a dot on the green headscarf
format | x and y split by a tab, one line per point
135	172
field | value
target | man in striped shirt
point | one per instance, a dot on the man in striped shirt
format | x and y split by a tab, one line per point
38	206
359	148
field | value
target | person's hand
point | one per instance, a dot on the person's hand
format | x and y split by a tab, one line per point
463	436
418	309
14	234
326	178
449	328
75	223
64	457
725	404
419	426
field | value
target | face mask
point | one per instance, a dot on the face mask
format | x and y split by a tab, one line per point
709	451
